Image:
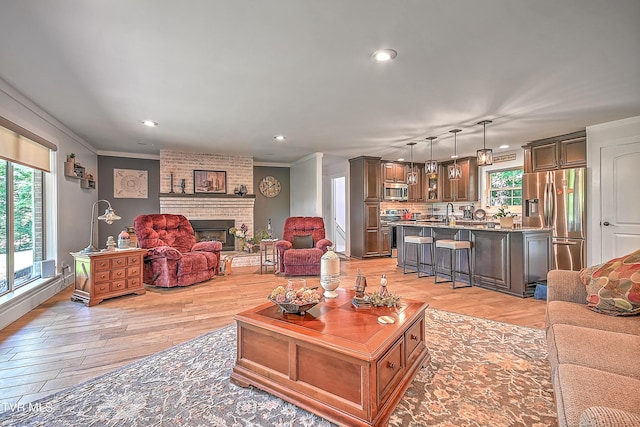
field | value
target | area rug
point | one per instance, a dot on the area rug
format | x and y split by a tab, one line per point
482	373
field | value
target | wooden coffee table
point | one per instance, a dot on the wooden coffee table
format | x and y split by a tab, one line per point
336	361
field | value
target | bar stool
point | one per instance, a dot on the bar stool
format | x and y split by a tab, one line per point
419	241
454	246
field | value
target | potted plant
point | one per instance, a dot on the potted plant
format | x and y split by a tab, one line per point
253	244
505	217
71	158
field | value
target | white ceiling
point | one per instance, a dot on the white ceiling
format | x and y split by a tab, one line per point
226	76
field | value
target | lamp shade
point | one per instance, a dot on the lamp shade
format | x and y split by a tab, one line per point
431	166
455	170
412	176
485	155
109	216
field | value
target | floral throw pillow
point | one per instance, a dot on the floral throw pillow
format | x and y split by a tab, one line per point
614	287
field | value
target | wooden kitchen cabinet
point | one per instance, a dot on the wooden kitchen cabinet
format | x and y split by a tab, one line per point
417	190
559	152
394	172
432	187
102	275
367	237
466	188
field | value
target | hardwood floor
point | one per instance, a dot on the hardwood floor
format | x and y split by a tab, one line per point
63	343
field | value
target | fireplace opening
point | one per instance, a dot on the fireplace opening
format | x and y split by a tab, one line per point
214	230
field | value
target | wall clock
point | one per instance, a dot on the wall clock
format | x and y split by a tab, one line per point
270	186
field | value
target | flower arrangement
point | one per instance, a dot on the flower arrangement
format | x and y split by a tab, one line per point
503	212
240	233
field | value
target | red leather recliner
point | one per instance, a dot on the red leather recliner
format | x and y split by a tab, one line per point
173	257
304	261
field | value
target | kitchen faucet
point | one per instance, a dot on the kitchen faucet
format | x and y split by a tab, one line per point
447	211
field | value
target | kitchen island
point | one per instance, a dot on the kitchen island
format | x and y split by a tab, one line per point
509	260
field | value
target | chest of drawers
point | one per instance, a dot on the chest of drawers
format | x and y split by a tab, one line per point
102	275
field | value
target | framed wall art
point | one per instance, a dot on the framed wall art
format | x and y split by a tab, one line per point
130	184
209	181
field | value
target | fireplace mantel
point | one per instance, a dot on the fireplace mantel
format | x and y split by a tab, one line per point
208	195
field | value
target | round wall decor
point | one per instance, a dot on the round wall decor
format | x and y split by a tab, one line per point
270	186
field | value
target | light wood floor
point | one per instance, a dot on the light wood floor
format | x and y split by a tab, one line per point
63	343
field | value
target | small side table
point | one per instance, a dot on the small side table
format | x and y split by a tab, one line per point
268	255
107	274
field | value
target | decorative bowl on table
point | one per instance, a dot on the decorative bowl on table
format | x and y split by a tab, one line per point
295	301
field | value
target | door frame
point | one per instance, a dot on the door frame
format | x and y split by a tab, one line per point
334	211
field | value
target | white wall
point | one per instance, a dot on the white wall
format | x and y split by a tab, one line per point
609	134
306	186
67	205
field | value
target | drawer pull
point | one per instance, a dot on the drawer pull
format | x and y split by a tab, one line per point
414	337
391	365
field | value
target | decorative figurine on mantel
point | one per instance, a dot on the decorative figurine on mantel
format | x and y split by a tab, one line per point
183	185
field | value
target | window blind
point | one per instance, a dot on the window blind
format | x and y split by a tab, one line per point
21	146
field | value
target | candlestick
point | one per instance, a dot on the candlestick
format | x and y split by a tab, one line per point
171	175
183	184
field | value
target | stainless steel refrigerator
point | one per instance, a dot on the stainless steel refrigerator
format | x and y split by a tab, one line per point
557	199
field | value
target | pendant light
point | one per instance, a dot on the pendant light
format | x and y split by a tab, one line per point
412	176
431	166
485	156
455	170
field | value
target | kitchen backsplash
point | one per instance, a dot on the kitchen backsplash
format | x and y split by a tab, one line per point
428	210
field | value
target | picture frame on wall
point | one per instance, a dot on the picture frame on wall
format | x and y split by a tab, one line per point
130	184
214	182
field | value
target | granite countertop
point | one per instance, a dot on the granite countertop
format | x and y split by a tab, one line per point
471	225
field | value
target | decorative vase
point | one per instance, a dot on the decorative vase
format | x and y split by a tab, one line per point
240	243
330	273
506	222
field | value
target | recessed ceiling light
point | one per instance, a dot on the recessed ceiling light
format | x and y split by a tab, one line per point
150	123
504	146
455	156
384	55
401	159
279	138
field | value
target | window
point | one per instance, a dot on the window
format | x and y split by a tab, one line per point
505	187
21	225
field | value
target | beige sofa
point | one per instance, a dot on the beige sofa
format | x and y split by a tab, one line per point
595	358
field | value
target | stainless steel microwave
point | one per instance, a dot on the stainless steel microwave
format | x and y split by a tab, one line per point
395	191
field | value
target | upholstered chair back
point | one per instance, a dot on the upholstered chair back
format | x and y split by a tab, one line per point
304	225
155	230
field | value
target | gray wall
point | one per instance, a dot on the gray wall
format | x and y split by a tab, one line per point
128	209
277	208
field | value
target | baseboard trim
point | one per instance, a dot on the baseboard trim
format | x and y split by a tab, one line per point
25	300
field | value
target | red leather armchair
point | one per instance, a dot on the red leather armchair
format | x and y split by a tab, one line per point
300	231
173	257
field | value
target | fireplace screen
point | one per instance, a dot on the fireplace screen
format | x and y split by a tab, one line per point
214	230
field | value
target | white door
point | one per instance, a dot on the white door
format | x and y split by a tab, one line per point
620	193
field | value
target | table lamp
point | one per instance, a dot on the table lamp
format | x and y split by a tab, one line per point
109	216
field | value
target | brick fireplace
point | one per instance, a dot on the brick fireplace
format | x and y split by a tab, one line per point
235	210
